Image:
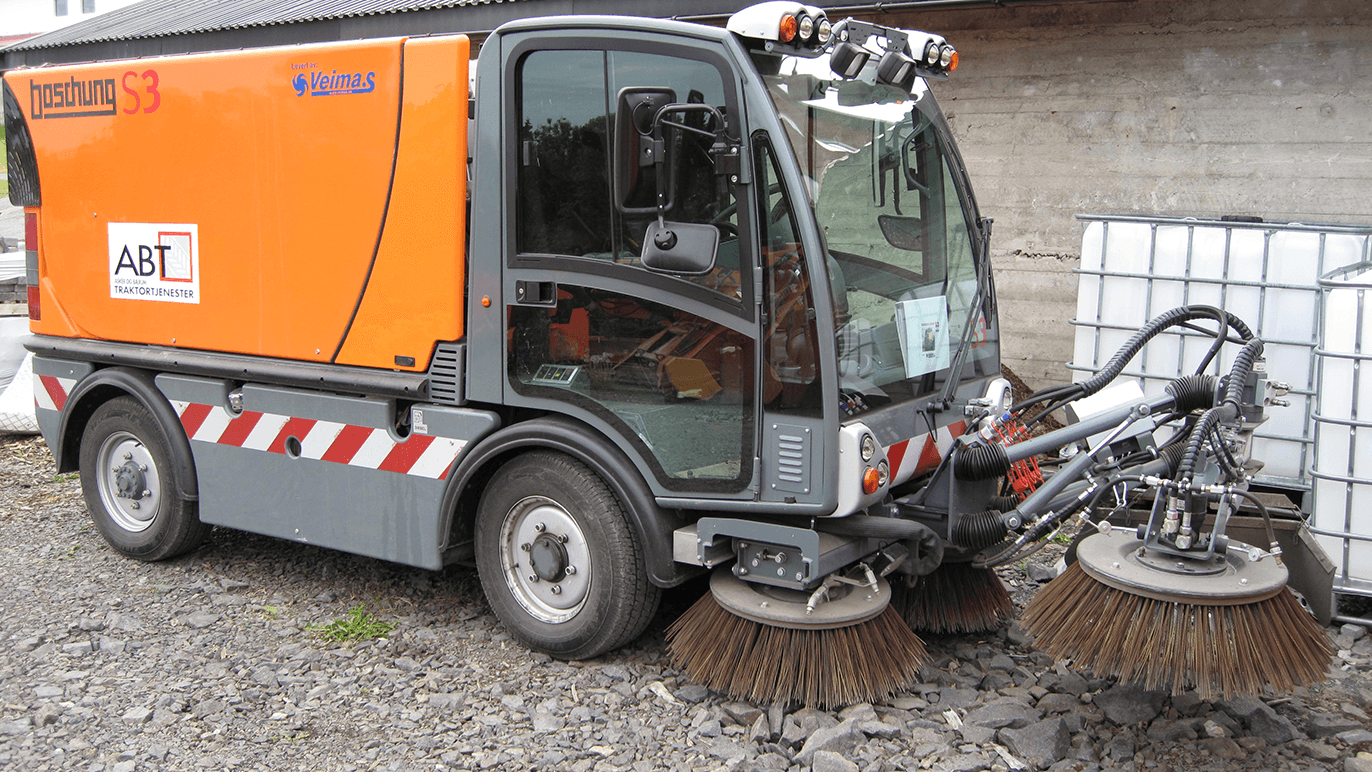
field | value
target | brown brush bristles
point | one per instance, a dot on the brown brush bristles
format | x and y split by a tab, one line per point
1220	651
770	665
955	598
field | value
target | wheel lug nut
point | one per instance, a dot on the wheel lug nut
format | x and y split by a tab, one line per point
557	589
571	570
562	537
526	546
147	493
533	577
114	470
142	467
134	505
128	456
540	528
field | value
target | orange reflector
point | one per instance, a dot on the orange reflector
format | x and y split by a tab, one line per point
486	301
953	62
35	311
787	32
870	481
31	230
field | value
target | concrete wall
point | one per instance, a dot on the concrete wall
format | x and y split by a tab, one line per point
1258	107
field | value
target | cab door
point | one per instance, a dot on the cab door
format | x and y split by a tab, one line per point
664	363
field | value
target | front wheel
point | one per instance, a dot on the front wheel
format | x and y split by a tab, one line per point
558	559
130	486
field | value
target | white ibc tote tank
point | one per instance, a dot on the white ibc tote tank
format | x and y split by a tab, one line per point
1342	467
1134	268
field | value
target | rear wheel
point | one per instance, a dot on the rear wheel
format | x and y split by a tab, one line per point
559	560
130	485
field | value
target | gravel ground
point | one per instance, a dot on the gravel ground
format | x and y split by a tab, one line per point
215	661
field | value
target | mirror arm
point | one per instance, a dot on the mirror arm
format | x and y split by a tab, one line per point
660	119
692	129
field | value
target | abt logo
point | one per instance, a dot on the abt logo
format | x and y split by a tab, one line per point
155	261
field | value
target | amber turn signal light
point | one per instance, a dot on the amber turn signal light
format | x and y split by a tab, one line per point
871	480
787	32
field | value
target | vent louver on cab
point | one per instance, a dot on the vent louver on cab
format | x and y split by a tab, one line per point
19	155
789	450
445	374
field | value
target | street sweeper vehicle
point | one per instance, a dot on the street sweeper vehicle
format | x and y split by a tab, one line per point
619	302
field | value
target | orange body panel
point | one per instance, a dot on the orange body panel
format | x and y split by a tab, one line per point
415	294
256	183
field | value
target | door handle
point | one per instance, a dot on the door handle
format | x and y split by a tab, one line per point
535	293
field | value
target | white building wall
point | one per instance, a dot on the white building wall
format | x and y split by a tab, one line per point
32	17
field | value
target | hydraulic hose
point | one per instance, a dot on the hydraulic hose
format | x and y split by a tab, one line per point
1172	455
1238	374
979	530
1151	330
1192	392
1004	503
981	462
1229	408
1182	316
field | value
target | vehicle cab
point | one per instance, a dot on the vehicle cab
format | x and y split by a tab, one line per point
750	255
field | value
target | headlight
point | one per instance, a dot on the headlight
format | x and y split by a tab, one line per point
807	28
883	473
931	54
825	29
869	447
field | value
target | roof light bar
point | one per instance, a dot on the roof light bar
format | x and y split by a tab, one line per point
789	27
784	26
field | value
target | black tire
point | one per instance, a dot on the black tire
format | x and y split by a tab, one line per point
604	600
130	484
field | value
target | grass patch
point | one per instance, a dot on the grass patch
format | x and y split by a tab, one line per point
358	625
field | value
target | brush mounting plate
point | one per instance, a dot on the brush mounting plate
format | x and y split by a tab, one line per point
782	607
1172	564
1118	559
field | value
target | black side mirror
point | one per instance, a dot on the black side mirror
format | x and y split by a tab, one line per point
636	154
680	247
644	156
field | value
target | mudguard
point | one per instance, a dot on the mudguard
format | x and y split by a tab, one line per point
653	524
103	385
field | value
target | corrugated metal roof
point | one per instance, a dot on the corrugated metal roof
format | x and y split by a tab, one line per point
161	18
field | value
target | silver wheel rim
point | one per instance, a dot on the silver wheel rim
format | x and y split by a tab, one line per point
130	487
539	523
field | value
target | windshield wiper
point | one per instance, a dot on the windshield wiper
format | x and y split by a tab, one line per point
983	283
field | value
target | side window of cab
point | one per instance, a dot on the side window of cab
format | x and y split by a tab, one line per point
568	102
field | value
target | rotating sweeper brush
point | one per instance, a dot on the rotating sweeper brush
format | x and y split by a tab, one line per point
1223	626
1178	604
956	598
763	634
774	645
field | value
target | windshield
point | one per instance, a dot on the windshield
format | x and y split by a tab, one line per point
899	244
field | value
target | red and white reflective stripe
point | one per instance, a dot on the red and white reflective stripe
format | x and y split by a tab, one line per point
932	448
50	392
360	446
